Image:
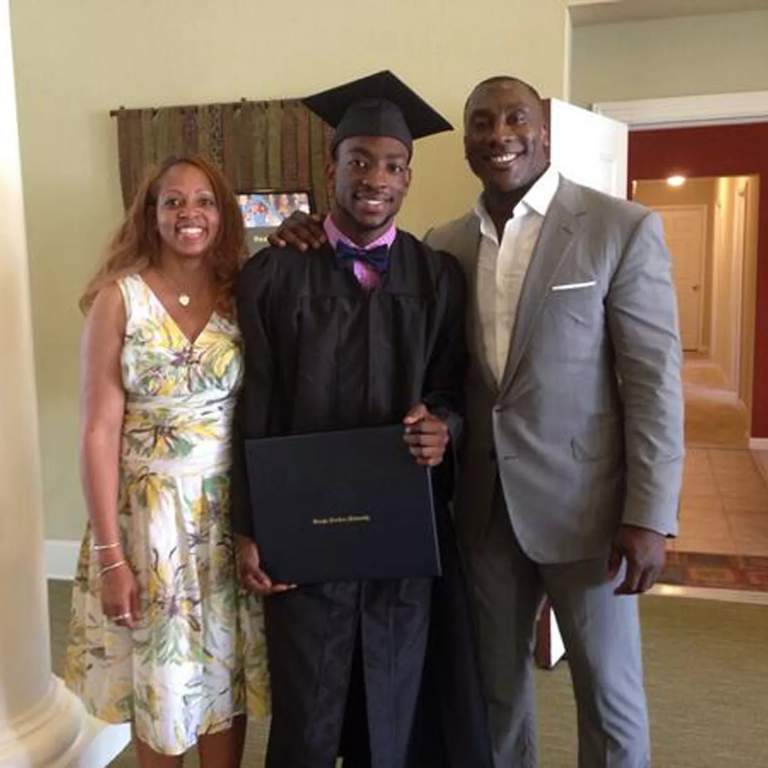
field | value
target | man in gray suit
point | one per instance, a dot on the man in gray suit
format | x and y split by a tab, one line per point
572	465
572	468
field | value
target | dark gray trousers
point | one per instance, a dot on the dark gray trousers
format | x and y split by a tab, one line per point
601	633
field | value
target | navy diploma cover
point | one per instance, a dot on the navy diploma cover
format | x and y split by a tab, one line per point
350	504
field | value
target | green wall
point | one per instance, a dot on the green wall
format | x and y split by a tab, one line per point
693	55
77	60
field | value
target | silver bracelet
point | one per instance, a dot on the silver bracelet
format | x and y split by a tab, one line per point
112	566
102	547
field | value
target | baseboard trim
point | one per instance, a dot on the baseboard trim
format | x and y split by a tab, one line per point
101	743
709	593
61	558
758	443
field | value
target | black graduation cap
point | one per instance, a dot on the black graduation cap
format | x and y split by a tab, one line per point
377	105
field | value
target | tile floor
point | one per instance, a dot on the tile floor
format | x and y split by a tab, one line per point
724	505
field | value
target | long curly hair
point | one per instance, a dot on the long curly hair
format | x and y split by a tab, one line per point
136	244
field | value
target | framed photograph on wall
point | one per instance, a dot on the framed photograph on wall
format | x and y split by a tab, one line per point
264	209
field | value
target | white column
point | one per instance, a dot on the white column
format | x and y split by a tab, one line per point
41	722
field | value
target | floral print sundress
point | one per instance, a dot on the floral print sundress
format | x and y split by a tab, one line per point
197	657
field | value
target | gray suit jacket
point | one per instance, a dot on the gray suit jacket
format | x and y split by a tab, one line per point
586	429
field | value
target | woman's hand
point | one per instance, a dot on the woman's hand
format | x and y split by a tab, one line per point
252	577
119	593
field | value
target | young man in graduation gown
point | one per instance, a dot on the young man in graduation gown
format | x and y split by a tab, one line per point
570	476
366	332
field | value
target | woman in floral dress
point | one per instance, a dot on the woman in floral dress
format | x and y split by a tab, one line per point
160	634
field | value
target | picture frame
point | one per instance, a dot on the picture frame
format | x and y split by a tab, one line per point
264	210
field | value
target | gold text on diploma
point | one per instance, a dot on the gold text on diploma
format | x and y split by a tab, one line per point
341	520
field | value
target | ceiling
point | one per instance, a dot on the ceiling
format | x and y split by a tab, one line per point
585	12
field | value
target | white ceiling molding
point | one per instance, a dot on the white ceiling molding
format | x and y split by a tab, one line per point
686	111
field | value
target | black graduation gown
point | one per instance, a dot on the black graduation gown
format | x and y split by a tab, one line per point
320	354
451	727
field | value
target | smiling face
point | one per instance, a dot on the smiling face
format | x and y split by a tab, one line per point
187	212
505	137
370	178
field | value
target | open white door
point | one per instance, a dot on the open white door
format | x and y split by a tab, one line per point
589	149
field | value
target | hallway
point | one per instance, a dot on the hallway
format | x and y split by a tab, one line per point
724	505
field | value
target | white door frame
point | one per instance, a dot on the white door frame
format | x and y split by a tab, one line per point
687	112
738	246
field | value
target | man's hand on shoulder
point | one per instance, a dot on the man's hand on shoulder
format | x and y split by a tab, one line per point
426	434
645	553
301	230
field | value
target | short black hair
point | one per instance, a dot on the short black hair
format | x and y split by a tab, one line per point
500	79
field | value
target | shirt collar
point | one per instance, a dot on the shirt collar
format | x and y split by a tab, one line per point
540	195
538	199
334	234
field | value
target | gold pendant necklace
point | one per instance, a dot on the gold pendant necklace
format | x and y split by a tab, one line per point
182	297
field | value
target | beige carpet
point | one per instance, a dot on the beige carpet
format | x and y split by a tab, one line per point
707	680
714	416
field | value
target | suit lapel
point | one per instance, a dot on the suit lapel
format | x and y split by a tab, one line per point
468	256
556	237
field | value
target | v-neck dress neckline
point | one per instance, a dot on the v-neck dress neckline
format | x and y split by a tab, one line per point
154	297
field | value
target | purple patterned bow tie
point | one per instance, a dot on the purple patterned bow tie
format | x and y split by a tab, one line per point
377	258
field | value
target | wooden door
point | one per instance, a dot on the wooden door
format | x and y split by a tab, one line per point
685	230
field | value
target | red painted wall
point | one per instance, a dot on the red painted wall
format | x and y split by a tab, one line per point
720	150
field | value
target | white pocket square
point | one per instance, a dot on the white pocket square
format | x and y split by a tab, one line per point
574	286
